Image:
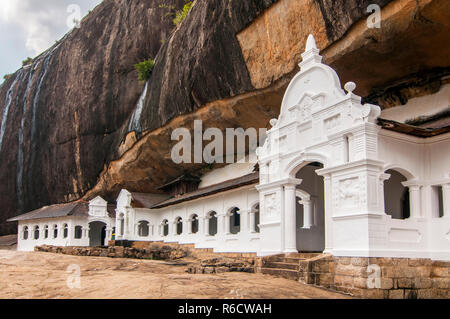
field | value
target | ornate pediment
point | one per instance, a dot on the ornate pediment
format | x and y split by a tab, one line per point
315	108
98	207
302	111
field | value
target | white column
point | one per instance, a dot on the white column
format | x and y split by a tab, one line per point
85	232
206	226
120	228
252	222
414	201
308	213
108	235
126	230
227	223
446	199
173	231
189	226
245	224
290	228
136	231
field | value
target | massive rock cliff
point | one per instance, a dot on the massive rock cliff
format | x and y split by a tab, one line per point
62	115
77	123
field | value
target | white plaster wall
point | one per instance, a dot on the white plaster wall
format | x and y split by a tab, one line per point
420	106
30	243
437	154
229	172
72	222
402	151
245	241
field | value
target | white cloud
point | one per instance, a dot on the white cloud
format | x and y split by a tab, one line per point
33	26
41	22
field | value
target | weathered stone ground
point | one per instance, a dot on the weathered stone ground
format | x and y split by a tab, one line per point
44	275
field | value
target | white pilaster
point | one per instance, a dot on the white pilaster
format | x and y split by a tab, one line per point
290	230
446	199
252	224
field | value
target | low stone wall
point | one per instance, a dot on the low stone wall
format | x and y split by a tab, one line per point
393	278
221	265
199	253
154	251
378	278
208	261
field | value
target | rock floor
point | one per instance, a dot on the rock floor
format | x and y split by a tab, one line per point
45	275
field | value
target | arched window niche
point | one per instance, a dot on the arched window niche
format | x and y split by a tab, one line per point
78	233
55	231
46	232
36	232
235	220
65	231
194	224
255	219
396	195
437	201
143	228
179	225
165	228
25	233
211	219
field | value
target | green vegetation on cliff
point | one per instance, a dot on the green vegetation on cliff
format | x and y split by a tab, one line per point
27	61
145	69
178	15
182	14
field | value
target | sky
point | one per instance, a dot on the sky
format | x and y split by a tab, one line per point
29	27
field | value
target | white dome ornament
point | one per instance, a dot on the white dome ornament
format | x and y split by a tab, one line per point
273	122
310	43
350	87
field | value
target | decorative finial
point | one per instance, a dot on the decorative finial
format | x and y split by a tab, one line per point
273	122
350	87
310	43
311	55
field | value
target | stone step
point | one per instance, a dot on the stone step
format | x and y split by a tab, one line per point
280	265
287	260
284	273
303	255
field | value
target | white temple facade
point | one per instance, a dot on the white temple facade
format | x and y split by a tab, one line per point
73	224
385	194
331	179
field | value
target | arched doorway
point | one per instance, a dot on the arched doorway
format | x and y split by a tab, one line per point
310	210
97	234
